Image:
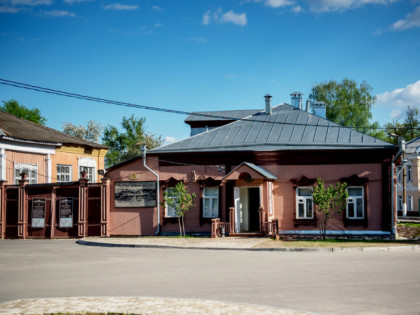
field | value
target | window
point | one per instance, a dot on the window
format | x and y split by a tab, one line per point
29	169
304	203
170	212
399	203
64	173
399	174
210	202
409	203
355	207
409	173
90	171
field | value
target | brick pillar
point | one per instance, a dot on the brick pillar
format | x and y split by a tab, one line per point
82	223
53	212
231	220
105	206
2	209
214	227
22	207
262	218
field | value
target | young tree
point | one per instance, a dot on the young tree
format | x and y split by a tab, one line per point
92	131
348	103
408	130
179	200
126	145
18	110
329	201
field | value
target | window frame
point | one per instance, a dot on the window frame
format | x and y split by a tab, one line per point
409	174
409	202
305	198
399	174
70	174
399	202
167	207
212	199
31	167
354	202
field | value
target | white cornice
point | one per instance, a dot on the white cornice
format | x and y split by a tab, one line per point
28	147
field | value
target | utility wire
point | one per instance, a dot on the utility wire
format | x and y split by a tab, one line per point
160	109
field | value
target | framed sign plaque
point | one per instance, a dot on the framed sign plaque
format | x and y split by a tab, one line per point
38	213
135	194
66	212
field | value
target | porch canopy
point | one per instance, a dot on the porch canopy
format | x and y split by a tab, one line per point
256	172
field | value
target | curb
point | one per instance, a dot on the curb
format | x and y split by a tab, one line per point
270	249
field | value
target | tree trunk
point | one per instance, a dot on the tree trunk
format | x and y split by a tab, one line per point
183	225
179	224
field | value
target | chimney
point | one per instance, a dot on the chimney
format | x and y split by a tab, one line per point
320	109
296	100
308	105
267	104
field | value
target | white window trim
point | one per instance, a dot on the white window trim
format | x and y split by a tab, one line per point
167	215
3	163
354	199
399	174
399	202
212	199
409	202
305	217
409	169
31	167
87	162
71	173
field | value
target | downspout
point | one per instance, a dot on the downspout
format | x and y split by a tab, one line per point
143	153
401	144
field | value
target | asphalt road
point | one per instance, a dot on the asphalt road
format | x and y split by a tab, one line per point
327	283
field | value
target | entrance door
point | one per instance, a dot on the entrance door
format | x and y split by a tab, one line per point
247	203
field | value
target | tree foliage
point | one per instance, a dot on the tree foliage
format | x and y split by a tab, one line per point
329	201
126	145
179	199
407	130
347	103
13	107
91	132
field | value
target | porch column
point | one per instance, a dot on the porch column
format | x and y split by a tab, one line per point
231	220
82	224
214	227
22	207
2	209
262	218
105	206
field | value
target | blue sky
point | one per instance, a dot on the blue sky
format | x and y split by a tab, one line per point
204	55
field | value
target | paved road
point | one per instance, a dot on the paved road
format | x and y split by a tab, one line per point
328	283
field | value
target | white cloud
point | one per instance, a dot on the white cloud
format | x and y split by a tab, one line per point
59	13
170	139
409	95
199	40
278	3
395	113
121	7
76	1
9	10
228	17
411	20
342	5
156	8
297	9
30	2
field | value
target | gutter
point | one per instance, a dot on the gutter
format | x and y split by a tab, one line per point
143	153
393	220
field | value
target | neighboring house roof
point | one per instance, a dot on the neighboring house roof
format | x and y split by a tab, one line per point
287	128
413	146
21	130
229	115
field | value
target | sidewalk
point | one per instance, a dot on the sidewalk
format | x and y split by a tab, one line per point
229	243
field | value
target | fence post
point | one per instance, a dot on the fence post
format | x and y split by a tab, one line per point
22	207
2	209
231	220
214	227
82	223
105	206
262	218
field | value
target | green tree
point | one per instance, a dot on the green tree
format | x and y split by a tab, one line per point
348	103
329	201
13	107
179	200
126	145
91	132
407	130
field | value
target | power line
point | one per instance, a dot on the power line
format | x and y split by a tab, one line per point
158	109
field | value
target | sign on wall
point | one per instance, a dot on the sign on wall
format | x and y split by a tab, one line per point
135	194
38	213
66	212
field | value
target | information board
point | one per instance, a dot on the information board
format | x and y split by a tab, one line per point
66	212
135	194
38	213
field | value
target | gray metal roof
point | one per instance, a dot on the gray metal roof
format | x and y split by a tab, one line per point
413	146
221	115
287	128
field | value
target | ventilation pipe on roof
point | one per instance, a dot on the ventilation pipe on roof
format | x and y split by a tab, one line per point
308	105
267	104
320	109
297	100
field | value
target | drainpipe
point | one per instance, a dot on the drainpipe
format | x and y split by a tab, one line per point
401	144
143	153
